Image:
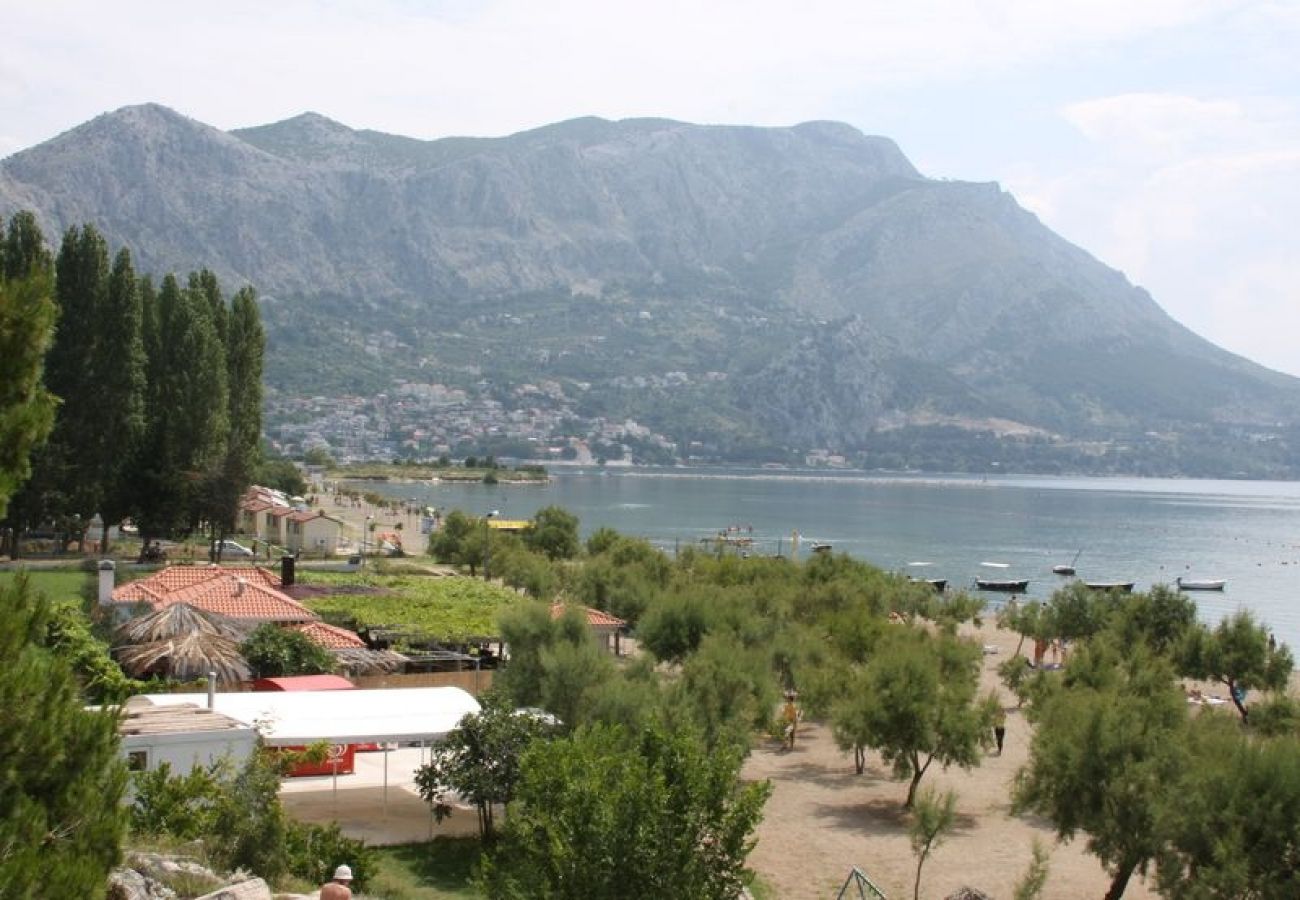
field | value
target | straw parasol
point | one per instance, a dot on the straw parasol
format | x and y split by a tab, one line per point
185	643
176	620
186	658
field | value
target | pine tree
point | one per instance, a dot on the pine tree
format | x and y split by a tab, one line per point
61	781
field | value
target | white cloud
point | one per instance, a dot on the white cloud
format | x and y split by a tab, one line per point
1195	199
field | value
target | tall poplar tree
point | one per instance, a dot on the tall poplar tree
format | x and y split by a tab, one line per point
187	413
65	486
27	315
245	348
118	369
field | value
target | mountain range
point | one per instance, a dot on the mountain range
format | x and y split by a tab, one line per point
748	293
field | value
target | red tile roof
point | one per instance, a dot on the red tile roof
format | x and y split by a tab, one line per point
331	637
174	578
256	505
240	592
595	617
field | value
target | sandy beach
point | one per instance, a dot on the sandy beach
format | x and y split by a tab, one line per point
823	819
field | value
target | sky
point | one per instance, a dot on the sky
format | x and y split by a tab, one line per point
1163	136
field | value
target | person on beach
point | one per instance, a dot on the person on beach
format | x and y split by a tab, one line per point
1000	728
338	888
790	718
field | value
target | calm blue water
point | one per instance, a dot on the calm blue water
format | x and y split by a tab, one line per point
1144	530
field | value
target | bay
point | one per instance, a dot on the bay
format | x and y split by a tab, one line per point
1123	529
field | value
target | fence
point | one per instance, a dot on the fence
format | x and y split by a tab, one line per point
474	682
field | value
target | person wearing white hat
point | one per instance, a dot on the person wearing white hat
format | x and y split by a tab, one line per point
338	888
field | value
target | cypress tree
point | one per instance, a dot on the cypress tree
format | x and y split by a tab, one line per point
27	315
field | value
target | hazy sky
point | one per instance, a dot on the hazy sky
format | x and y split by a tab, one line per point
1161	135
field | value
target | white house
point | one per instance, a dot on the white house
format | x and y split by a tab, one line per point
185	737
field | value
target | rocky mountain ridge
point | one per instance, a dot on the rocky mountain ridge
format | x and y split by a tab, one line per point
842	294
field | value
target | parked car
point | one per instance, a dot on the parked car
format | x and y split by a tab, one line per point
235	549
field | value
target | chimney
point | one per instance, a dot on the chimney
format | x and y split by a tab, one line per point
107	577
286	571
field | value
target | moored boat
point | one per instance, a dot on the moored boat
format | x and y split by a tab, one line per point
1199	584
1063	569
939	584
1005	585
1124	587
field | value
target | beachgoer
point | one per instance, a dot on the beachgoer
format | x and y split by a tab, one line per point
338	888
1272	643
1000	728
790	716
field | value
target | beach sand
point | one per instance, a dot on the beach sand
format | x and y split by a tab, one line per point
823	819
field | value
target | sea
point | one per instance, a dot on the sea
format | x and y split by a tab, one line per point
956	527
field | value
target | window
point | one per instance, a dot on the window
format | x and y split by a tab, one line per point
137	760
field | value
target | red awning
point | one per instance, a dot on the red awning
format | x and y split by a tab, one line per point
304	683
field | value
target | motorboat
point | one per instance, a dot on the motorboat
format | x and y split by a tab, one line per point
1124	587
1199	584
939	584
1005	585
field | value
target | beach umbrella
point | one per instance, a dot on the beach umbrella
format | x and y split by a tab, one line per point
177	620
187	657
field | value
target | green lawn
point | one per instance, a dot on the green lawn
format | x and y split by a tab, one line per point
438	870
57	584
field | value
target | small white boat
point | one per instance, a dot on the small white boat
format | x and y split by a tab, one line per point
1199	584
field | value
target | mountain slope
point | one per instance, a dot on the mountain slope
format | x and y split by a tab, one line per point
811	286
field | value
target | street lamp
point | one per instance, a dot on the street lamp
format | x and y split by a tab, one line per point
369	524
487	546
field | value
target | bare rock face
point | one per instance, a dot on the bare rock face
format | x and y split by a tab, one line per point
252	889
836	290
128	884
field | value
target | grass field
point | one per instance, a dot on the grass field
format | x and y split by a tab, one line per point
57	584
438	870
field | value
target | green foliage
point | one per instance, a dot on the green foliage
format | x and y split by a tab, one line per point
603	814
452	609
182	806
27	315
61	781
932	819
461	541
275	471
1107	745
726	692
554	534
272	651
1232	826
1237	654
479	760
69	634
674	627
531	632
249	827
919	705
571	674
1031	884
314	851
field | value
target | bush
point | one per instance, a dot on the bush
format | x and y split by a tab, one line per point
313	852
